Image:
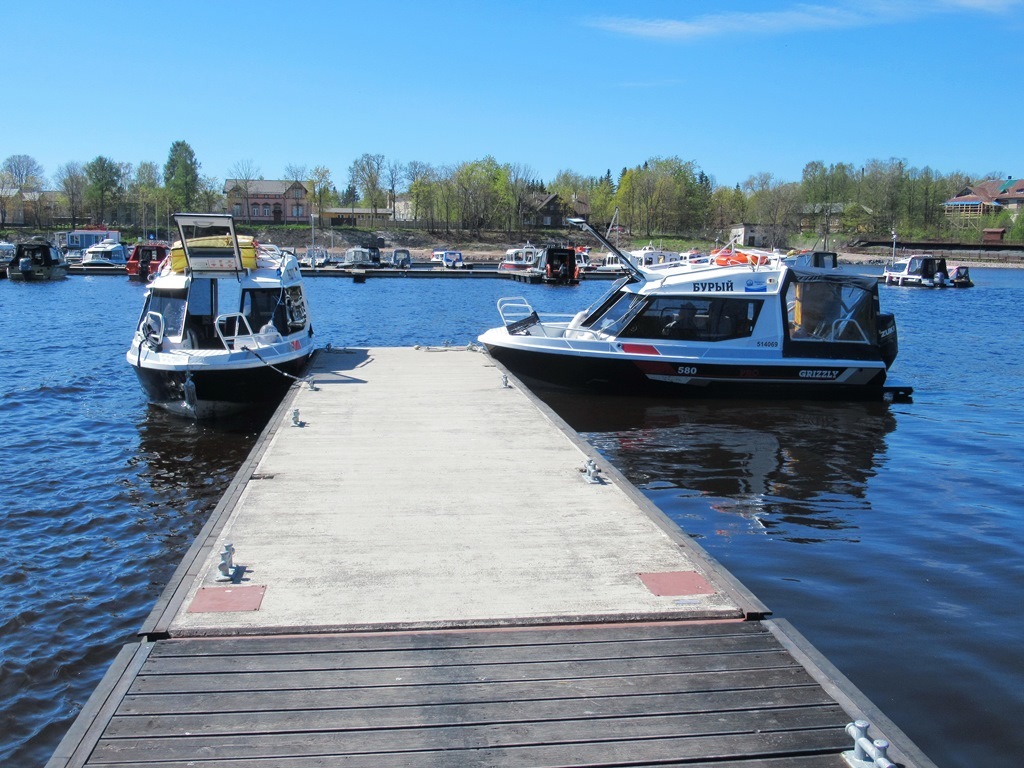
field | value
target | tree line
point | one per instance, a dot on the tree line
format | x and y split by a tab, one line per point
664	196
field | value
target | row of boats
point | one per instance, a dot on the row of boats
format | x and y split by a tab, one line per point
225	325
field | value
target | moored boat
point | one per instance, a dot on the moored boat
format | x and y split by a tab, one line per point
145	260
520	258
745	325
224	326
106	253
37	259
920	270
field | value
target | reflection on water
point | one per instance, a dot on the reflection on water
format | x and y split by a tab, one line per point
798	471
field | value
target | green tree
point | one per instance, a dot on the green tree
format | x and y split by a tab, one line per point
826	191
366	173
103	178
181	176
322	186
421	178
209	196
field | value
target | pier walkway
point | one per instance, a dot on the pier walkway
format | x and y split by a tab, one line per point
427	570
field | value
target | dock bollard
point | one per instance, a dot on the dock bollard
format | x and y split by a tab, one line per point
866	753
227	561
592	472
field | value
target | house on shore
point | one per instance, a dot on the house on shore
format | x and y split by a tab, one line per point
986	198
268	201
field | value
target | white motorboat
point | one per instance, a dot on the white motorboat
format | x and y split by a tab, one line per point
520	258
224	326
746	324
921	270
106	253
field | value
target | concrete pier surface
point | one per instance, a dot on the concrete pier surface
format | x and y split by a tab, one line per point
418	491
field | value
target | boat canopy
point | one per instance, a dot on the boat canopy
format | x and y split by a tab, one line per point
209	244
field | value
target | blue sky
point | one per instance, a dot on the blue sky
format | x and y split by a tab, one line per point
588	85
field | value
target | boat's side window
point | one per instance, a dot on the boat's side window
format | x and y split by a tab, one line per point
690	318
822	311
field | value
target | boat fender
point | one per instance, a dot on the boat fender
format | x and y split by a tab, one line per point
548	270
576	273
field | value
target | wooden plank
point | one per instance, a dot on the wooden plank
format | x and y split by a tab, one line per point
435	760
196	718
254	681
242	661
704	684
474	752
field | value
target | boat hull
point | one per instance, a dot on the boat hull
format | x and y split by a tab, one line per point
653	377
37	274
219	392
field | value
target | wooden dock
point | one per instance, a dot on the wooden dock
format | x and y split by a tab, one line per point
432	569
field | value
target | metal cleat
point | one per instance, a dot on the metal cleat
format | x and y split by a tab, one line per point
592	472
866	753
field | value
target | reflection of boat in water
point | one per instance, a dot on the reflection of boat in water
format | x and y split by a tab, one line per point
224	328
746	325
801	473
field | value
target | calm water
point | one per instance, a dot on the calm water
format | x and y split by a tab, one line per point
890	536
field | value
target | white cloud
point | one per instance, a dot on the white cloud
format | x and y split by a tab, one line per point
796	19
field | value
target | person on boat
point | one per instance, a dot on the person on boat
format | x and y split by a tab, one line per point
563	273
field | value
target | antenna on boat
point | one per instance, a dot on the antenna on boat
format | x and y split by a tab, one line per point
626	260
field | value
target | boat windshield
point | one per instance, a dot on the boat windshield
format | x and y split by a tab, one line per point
171	305
614	312
827	311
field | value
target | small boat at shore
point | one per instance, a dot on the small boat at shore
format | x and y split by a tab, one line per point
520	258
921	271
224	327
37	260
746	324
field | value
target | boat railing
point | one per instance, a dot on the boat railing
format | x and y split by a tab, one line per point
234	330
517	315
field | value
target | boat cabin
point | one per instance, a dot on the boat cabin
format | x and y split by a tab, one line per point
920	270
106	253
812	314
523	257
560	266
360	257
399	258
145	259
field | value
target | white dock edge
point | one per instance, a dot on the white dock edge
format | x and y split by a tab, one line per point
419	492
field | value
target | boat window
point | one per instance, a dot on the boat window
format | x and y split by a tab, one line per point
690	318
824	311
170	305
264	306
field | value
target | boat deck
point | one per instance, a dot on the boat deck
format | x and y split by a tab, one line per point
423	575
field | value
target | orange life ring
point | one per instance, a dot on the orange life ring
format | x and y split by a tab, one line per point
738	258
